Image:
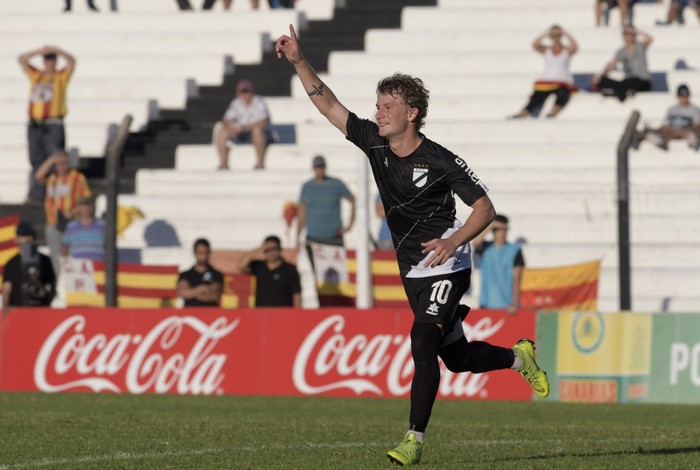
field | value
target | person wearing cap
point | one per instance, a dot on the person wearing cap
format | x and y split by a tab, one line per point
633	57
47	108
84	236
319	208
246	121
682	122
28	278
64	186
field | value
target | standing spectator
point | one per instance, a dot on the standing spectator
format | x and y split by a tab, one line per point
84	236
556	78
319	208
633	57
90	4
682	122
676	9
277	282
384	236
501	264
64	186
246	120
28	279
418	179
201	286
47	108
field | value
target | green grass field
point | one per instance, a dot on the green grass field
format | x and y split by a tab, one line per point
149	432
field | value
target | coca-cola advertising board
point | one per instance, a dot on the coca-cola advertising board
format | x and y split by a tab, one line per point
331	352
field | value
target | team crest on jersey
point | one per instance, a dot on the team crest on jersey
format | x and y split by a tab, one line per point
420	174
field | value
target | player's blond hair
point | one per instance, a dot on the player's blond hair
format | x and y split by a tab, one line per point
411	90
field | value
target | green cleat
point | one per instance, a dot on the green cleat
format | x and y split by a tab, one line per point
408	452
536	377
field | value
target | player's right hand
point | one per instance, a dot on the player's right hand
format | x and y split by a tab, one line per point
289	46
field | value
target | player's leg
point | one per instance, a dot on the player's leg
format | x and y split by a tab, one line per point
222	136
260	143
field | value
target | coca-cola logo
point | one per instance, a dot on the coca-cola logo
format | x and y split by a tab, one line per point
329	360
155	361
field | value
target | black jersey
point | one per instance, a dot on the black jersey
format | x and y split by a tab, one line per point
417	193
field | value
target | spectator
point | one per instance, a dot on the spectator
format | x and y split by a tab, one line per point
319	208
90	4
633	56
603	7
556	78
676	9
201	286
184	5
208	4
277	282
84	236
384	236
28	279
246	120
501	264
682	122
47	108
274	4
64	186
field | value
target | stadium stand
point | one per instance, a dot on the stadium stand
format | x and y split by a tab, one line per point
556	179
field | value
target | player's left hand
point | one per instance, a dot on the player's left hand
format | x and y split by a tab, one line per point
442	248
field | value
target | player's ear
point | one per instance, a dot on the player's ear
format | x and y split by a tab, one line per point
412	114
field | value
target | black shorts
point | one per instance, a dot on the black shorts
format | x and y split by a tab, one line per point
435	299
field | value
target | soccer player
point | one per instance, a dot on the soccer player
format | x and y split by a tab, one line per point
416	178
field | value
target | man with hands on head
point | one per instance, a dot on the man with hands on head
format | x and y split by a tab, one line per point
416	178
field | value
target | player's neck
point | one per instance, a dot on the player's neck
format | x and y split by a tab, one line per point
406	143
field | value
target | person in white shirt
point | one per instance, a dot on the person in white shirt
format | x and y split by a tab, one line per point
246	120
556	78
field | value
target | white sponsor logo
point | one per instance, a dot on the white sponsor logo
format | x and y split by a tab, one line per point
685	358
462	164
97	359
360	363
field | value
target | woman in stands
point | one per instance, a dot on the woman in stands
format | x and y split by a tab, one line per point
633	57
556	79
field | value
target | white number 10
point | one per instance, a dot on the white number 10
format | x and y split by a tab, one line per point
441	291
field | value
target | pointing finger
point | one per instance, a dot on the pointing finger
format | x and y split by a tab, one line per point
292	33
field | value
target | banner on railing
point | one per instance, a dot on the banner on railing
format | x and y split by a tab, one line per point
335	352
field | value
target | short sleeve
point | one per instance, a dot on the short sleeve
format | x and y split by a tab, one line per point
361	132
32	72
218	277
696	115
304	194
519	260
296	282
231	113
463	181
344	191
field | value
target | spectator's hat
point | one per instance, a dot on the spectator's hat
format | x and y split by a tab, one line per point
24	230
244	85
683	90
84	200
319	161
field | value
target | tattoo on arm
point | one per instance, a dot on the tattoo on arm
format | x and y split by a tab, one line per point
318	90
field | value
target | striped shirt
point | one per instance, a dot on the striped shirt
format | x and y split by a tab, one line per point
47	99
85	241
62	192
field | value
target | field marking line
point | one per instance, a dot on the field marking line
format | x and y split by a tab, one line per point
299	445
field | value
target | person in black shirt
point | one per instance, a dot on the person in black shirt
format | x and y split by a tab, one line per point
28	277
417	178
201	286
277	282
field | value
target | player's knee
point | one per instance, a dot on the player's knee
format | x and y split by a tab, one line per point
425	338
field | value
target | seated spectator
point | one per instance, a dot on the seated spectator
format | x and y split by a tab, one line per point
64	186
501	264
676	9
633	57
556	78
603	7
90	4
28	279
246	120
84	236
384	241
208	4
201	286
682	122
274	4
277	282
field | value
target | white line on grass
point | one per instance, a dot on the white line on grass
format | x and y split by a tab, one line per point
299	445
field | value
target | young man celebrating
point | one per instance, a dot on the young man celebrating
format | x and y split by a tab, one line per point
416	178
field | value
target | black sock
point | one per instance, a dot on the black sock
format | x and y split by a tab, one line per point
425	342
477	356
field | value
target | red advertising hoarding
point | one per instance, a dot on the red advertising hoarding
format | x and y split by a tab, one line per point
331	352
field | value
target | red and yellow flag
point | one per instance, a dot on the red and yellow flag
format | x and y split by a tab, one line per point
569	287
8	245
138	286
239	291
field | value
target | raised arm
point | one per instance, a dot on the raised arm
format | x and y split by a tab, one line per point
538	43
647	39
26	57
321	96
573	46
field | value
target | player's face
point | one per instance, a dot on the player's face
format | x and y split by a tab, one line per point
201	254
272	251
392	115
